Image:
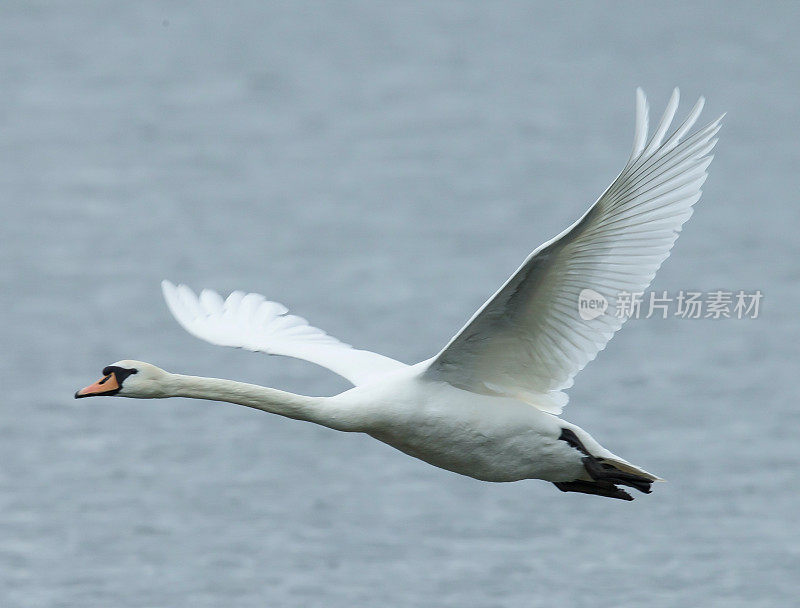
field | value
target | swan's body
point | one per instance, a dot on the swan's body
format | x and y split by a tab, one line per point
485	405
449	428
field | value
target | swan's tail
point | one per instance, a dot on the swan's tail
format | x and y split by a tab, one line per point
605	474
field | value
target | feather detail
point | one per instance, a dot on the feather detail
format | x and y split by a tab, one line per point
528	340
252	322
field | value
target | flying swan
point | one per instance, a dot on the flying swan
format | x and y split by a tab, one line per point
486	406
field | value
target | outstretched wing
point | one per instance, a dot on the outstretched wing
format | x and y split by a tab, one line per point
528	340
252	322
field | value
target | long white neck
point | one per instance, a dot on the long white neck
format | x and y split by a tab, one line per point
319	410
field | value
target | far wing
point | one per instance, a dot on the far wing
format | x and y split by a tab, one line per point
528	340
250	321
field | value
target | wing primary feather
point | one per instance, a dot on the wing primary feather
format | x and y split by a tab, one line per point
252	322
640	132
663	125
683	129
528	340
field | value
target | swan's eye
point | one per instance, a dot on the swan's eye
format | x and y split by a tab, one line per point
120	372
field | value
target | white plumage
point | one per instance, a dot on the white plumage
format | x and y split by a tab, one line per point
528	340
250	321
467	408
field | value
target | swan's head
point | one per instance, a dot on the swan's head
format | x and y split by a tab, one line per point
128	379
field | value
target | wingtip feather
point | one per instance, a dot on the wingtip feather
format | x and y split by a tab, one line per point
664	124
641	127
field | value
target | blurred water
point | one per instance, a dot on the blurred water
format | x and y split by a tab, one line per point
380	168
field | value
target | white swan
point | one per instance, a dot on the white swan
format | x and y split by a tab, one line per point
486	405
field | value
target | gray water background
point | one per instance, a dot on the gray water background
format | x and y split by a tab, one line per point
380	168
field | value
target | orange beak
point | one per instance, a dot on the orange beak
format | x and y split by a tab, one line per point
107	384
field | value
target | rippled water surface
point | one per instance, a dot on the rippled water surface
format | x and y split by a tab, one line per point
380	168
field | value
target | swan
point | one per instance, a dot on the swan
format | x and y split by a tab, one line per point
487	404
